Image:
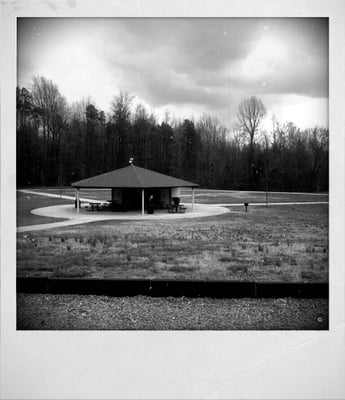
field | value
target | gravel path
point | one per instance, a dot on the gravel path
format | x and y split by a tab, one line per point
77	312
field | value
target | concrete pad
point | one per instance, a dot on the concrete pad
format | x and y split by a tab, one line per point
69	211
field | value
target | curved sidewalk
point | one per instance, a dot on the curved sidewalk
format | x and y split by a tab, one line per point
70	213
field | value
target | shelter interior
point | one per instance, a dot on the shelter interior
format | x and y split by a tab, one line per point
131	198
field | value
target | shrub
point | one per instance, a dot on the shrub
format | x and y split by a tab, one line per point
309	275
63	271
293	261
238	268
181	268
225	259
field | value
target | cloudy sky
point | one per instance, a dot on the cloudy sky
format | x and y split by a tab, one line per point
185	66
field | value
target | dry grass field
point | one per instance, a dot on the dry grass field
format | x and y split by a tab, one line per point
288	243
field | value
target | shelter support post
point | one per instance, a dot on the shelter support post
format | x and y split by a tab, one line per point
192	199
77	199
142	201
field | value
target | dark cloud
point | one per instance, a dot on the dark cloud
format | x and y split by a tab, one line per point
193	45
195	61
189	60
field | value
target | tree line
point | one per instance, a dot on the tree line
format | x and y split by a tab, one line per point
59	143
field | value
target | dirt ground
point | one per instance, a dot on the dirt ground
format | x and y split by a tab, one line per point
75	312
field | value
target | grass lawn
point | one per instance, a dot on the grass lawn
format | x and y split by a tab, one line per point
287	243
231	197
27	202
205	196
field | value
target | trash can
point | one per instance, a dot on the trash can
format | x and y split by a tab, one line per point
75	203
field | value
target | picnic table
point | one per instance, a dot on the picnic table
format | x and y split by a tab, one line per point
177	208
96	206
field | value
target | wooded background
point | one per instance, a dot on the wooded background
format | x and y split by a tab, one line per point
58	144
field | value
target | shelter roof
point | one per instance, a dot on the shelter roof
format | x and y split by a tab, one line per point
132	177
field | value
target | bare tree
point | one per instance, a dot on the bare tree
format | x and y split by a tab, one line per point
121	113
121	107
212	153
250	115
52	109
52	105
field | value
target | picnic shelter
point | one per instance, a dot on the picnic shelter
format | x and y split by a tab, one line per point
132	187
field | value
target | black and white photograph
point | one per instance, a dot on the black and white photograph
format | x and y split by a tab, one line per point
172	199
172	174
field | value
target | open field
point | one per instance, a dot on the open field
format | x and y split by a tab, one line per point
288	243
206	196
234	197
279	243
27	202
70	312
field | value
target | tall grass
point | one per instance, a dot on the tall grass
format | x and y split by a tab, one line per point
264	245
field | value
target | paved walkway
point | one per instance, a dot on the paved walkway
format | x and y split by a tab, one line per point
70	213
295	203
57	196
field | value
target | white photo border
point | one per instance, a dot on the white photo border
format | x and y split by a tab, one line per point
186	364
